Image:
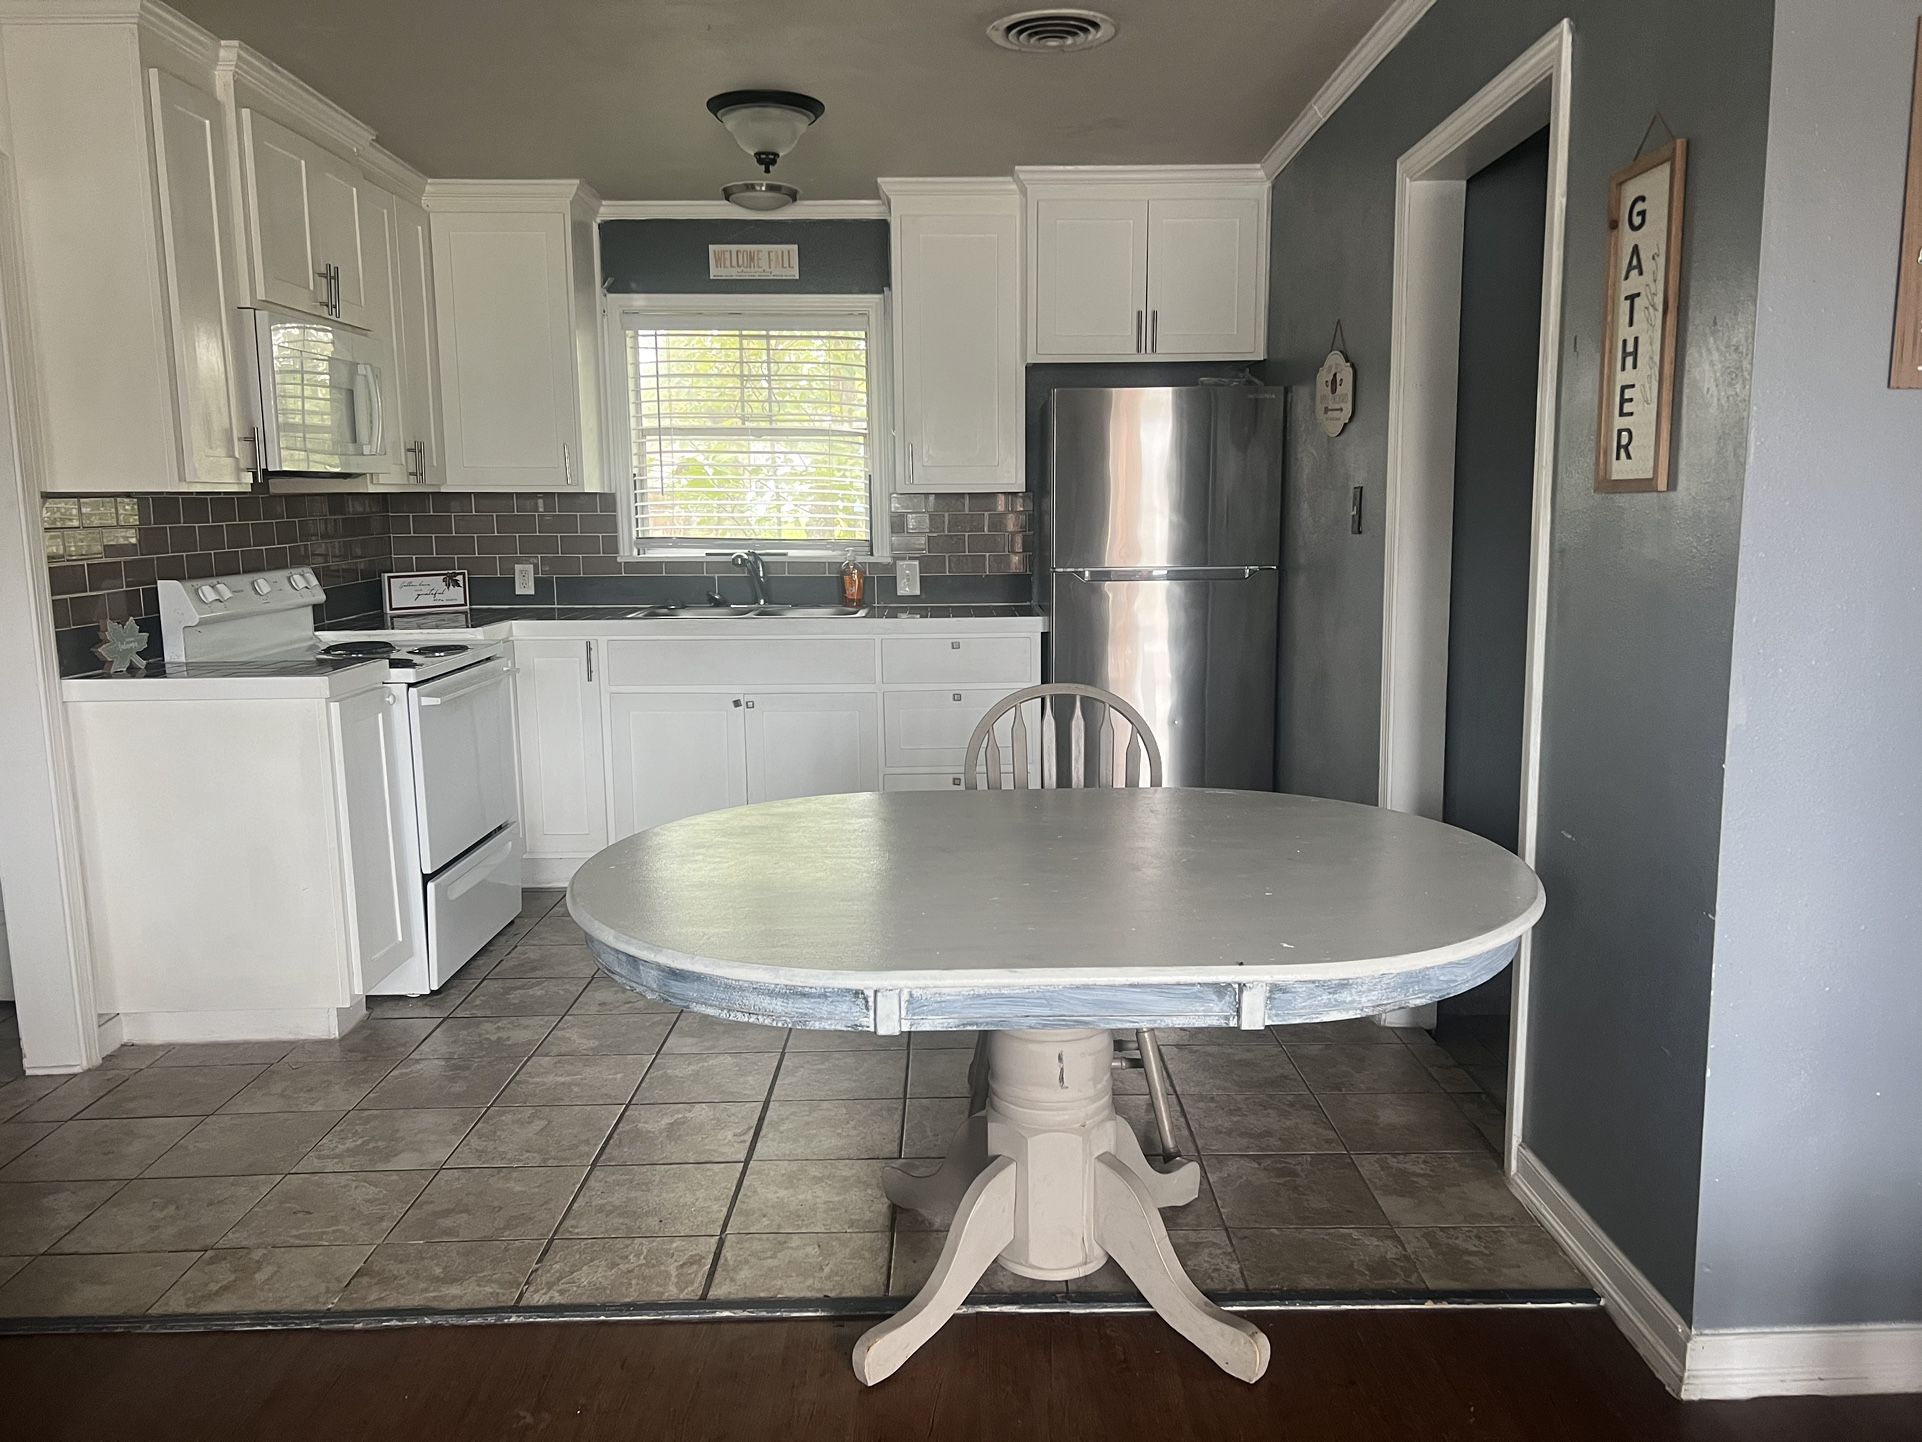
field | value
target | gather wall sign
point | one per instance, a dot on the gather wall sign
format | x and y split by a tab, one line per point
1638	336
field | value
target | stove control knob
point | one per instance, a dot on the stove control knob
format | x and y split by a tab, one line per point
262	585
220	590
206	595
297	581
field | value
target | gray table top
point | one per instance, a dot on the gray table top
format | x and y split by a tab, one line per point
987	889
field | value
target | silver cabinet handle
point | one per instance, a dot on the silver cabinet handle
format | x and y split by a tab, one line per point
590	659
335	278
1154	332
567	464
325	275
910	460
737	703
1137	332
957	695
750	705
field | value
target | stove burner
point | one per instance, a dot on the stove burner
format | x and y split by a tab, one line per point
359	648
442	650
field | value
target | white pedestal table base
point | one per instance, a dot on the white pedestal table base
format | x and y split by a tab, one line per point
1048	1181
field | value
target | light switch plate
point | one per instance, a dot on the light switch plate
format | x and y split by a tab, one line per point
907	578
523	578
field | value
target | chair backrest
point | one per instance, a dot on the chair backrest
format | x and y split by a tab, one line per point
985	746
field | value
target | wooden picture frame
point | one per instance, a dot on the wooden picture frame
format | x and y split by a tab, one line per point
1905	355
1631	443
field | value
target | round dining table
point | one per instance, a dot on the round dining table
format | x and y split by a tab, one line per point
1049	919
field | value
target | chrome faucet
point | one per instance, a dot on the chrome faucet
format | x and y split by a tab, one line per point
756	568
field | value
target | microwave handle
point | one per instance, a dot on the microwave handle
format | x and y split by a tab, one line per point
367	382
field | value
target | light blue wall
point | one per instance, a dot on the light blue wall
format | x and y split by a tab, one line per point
1811	1208
1642	589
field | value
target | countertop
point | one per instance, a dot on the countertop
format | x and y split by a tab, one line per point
322	678
501	623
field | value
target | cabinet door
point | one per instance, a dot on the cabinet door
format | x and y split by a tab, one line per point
287	271
333	206
563	775
377	805
509	408
674	754
190	167
417	353
379	247
1204	283
1091	281
958	291
812	744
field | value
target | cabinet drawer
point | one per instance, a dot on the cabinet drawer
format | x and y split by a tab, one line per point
911	660
931	728
814	661
922	781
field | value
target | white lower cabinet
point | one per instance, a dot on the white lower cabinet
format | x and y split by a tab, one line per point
811	744
563	772
673	754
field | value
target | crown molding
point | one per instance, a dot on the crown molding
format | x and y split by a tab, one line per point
166	25
315	113
379	164
528	195
992	185
1382	37
1032	176
721	210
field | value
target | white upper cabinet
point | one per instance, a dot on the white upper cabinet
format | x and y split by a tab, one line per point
516	285
1147	264
128	352
379	248
957	304
417	348
303	222
1092	277
1205	293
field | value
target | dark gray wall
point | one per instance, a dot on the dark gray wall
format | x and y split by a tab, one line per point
1494	492
669	257
1812	1159
1641	588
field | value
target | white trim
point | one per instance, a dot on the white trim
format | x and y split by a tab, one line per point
112	1033
293	97
1839	1361
721	210
1382	37
509	195
39	844
617	309
1653	1327
384	168
1430	188
296	1023
1157	176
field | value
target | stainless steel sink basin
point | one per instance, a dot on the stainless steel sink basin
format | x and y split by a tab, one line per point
711	613
803	613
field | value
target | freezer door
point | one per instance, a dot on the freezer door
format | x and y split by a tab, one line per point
1164	476
1196	657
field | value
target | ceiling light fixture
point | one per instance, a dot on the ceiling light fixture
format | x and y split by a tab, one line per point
760	194
766	123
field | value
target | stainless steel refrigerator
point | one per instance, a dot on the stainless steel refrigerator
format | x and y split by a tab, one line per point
1160	545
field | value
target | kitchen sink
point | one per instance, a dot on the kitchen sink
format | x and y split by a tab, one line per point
802	613
774	610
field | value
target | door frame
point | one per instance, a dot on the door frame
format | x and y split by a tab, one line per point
1431	182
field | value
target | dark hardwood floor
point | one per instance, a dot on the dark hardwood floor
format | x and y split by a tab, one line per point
1543	1376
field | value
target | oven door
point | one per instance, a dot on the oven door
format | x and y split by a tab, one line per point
463	725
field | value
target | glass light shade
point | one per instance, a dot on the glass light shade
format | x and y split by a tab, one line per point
760	194
766	123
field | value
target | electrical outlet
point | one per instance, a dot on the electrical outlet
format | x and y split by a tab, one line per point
523	578
907	578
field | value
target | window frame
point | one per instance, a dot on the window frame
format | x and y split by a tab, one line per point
634	311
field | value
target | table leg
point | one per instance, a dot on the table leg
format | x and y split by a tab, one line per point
1050	1182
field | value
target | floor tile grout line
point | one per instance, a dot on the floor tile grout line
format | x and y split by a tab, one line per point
740	1182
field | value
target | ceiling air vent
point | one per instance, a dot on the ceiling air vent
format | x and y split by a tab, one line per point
1049	32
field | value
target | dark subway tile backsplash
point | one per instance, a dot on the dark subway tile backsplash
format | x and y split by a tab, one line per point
105	554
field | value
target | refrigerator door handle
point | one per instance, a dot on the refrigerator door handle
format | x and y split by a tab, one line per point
1163	573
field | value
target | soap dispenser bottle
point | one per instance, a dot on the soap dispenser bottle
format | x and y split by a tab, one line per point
854	582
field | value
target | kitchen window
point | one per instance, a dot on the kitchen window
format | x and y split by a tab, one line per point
752	425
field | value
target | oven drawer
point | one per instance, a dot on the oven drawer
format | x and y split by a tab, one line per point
470	902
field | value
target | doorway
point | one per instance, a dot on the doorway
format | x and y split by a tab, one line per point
1505	206
1527	104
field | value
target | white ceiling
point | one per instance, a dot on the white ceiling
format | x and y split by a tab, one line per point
614	91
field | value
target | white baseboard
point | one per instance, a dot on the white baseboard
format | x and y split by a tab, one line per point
293	1023
112	1031
1653	1327
549	870
1803	1361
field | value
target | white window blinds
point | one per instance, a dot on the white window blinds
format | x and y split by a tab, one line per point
753	430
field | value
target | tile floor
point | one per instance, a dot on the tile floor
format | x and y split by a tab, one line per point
534	1135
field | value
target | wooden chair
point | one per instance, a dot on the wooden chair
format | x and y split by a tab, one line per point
983	761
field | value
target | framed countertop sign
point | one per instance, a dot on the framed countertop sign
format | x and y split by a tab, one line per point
409	593
1905	360
1638	334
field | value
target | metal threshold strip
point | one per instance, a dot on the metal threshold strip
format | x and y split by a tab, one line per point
787	1311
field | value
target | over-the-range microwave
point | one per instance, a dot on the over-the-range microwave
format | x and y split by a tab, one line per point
323	400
